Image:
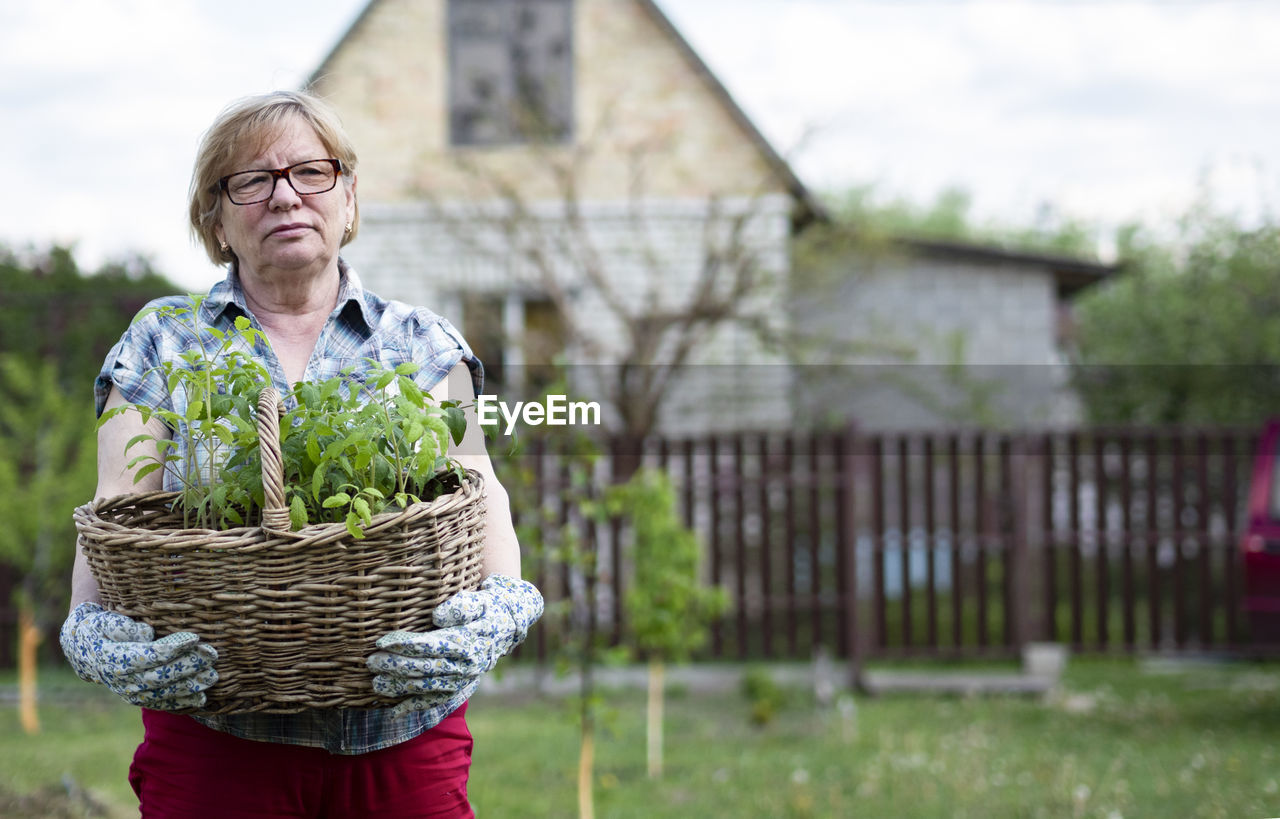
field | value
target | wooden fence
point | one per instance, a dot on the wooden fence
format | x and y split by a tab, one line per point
965	543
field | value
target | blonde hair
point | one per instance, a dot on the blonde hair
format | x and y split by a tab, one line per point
244	129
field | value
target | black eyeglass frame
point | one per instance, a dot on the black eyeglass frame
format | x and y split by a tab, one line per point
281	173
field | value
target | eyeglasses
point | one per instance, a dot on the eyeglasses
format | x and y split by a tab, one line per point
306	178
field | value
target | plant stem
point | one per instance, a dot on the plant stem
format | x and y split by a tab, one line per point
654	749
586	766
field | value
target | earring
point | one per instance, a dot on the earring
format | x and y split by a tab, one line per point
348	230
223	245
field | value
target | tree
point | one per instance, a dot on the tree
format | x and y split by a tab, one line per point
633	313
879	220
1191	332
56	325
54	310
557	536
669	608
47	468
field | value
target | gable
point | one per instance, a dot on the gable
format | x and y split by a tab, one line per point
643	104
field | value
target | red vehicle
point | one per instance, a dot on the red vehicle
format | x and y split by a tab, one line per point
1261	542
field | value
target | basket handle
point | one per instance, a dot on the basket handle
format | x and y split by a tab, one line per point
275	515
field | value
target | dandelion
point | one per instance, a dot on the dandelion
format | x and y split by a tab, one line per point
1081	794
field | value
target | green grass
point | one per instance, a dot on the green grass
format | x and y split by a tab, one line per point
1117	740
87	736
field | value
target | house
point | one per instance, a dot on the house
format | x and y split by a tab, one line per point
567	181
922	333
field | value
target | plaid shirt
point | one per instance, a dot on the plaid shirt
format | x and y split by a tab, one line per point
362	326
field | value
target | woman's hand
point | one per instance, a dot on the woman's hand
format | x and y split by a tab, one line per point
440	669
169	674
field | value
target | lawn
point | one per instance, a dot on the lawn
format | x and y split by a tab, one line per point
1120	739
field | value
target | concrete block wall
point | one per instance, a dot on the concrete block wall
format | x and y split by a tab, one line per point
924	314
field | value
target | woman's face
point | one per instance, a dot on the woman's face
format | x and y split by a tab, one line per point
287	232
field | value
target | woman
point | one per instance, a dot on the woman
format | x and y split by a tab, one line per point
273	196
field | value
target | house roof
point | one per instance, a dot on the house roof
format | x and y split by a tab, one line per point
809	206
323	68
1071	274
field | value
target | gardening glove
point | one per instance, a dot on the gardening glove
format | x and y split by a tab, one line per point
169	674
439	670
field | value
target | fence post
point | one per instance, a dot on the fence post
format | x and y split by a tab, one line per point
1020	569
847	532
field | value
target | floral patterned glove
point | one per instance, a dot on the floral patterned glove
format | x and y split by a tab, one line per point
439	670
169	674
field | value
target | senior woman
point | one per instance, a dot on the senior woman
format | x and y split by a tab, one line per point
273	197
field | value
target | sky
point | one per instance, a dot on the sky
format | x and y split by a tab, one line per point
1099	110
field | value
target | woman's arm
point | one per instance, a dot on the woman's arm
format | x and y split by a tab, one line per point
501	549
115	479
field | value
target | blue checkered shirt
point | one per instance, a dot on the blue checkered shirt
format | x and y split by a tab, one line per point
362	326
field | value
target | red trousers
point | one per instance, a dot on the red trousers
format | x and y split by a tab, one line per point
184	769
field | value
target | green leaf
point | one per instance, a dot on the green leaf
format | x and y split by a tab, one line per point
317	482
146	470
334	450
137	439
352	528
112	413
456	420
407	368
297	513
414	432
410	390
333	501
308	395
140	459
361	507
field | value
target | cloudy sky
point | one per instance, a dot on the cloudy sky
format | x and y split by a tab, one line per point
1106	111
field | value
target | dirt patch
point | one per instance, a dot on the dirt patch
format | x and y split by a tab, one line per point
61	801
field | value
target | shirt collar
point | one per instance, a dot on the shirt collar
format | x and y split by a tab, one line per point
229	292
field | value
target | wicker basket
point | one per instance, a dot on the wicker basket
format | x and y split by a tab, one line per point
293	615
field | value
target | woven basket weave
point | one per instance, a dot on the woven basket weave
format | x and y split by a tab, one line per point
293	615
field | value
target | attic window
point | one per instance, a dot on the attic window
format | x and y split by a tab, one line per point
510	71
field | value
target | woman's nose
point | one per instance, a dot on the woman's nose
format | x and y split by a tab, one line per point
283	196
